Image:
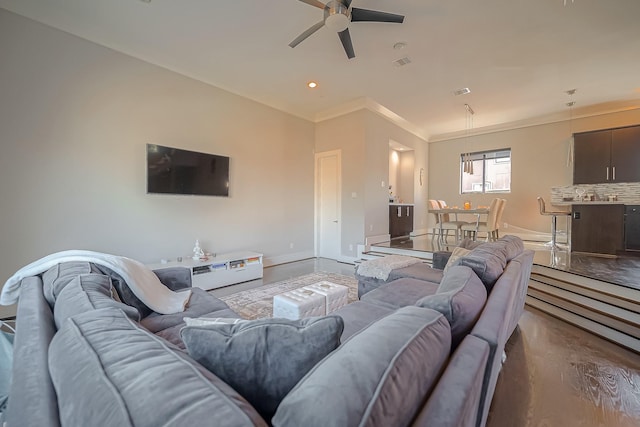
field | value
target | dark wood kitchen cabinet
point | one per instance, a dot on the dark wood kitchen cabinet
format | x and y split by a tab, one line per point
597	228
400	220
606	156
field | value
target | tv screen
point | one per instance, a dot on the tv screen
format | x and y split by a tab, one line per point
175	171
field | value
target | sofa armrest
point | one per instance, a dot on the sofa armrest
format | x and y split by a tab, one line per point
174	278
32	398
440	259
454	401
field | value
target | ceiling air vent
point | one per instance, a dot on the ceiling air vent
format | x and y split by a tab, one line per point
402	61
463	91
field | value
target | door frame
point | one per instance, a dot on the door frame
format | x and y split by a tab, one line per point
316	223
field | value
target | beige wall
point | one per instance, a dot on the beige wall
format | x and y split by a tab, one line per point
347	134
363	138
539	162
379	131
74	121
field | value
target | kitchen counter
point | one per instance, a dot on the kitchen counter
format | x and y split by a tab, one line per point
400	204
594	202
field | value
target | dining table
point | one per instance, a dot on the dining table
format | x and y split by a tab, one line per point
480	210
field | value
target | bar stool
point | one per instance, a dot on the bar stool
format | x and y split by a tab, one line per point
554	219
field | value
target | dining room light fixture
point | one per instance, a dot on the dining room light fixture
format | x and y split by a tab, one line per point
570	104
467	165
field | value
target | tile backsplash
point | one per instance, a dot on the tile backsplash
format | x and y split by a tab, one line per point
627	192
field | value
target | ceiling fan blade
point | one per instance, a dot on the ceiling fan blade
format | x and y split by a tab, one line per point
315	3
345	38
306	34
375	16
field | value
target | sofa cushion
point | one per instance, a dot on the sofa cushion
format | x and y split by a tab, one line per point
59	276
487	260
174	278
460	298
400	293
108	371
200	303
88	292
456	254
514	246
263	359
358	315
420	271
379	377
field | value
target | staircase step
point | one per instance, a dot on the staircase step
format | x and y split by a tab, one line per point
605	309
620	338
605	314
608	296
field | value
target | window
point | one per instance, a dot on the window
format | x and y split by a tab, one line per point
491	172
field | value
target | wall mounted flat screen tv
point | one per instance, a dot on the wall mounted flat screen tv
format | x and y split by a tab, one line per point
175	171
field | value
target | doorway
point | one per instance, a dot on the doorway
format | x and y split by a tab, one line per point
328	206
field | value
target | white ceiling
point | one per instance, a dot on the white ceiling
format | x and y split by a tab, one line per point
518	57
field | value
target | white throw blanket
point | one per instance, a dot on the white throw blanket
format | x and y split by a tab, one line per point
380	268
140	279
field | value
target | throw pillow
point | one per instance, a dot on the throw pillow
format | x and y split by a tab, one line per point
205	321
488	262
460	298
263	359
456	254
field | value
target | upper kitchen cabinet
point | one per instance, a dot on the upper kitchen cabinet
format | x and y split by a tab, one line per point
607	156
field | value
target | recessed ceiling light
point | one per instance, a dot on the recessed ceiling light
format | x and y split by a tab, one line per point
463	91
312	85
399	45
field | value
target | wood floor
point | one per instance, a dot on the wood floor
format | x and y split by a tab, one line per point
555	374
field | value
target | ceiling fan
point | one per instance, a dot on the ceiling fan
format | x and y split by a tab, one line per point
338	14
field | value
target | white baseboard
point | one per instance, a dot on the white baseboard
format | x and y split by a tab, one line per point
372	240
419	232
283	259
348	259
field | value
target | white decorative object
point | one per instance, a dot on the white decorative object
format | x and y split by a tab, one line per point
336	296
299	303
198	253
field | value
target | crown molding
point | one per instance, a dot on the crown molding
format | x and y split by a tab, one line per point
365	103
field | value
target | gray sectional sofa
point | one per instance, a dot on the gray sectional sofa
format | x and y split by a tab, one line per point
410	352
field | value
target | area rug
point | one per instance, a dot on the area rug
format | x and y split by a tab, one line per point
258	303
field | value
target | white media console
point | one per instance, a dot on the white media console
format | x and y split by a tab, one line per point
220	270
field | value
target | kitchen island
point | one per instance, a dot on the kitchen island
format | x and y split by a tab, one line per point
602	227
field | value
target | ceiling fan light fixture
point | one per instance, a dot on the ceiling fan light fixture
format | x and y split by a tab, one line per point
337	22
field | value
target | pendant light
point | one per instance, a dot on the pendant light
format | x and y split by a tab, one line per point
570	105
467	161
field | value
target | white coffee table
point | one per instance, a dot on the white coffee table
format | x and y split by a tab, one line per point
299	303
336	296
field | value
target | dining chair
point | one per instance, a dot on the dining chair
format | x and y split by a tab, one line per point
443	222
554	221
490	226
499	218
